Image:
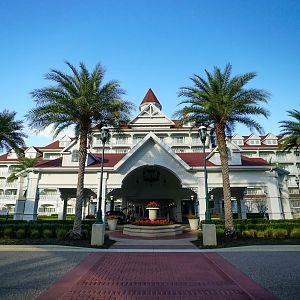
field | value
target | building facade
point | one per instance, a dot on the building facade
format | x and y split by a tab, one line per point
155	158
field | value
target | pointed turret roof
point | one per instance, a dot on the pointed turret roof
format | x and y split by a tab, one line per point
150	98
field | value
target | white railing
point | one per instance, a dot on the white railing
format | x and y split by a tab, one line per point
50	197
8	198
9	185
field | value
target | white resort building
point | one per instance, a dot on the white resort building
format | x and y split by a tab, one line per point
155	158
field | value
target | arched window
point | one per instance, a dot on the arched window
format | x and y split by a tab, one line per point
75	156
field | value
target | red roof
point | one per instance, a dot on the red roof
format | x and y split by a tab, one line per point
150	98
110	159
194	159
54	145
4	157
249	161
49	163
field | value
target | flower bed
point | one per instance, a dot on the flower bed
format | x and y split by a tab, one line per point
153	223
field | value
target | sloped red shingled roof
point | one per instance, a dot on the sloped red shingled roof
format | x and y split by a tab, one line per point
54	145
192	159
248	161
150	97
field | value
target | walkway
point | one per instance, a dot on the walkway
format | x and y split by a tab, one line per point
155	276
178	242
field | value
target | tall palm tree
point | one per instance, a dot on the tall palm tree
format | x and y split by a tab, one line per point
291	130
80	99
221	101
11	135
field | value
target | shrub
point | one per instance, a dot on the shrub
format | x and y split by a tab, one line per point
279	233
20	233
8	233
295	233
249	233
47	233
260	234
200	235
61	233
90	217
219	232
34	234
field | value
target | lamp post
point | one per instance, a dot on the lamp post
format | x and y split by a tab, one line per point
202	132
103	137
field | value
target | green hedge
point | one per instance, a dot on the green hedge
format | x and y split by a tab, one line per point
41	230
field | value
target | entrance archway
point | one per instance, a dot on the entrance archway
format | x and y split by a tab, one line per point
156	183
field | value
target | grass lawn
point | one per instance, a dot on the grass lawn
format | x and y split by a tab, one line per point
225	243
76	243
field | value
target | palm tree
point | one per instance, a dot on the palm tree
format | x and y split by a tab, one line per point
23	164
80	99
291	130
11	135
221	101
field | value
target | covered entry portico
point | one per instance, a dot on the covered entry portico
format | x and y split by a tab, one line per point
155	183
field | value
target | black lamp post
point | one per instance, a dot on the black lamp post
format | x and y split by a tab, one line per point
104	137
202	132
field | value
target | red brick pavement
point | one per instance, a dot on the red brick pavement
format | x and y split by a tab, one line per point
155	276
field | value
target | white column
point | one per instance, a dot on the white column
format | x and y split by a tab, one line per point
201	198
32	197
274	201
285	198
20	203
104	187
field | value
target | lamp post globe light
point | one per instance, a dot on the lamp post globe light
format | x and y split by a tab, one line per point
104	138
97	238
202	133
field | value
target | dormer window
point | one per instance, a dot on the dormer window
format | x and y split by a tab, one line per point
238	142
75	156
254	142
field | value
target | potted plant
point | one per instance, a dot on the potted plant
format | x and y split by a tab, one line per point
152	207
193	221
112	221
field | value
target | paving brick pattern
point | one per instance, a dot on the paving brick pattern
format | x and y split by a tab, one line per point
153	276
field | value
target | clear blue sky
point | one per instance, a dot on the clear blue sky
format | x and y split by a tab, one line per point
157	44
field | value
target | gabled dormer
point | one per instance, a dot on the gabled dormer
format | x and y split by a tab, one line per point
270	139
238	139
12	154
233	152
253	140
65	141
32	152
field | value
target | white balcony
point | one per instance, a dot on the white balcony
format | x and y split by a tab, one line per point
8	185
8	199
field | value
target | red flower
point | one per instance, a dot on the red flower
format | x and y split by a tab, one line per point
152	204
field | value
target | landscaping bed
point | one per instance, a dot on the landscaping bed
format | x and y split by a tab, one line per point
46	233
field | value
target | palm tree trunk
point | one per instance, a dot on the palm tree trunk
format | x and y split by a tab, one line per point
80	184
221	141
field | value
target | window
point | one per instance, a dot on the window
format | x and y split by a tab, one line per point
51	155
75	156
293	190
238	142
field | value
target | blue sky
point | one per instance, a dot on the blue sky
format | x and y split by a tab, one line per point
157	44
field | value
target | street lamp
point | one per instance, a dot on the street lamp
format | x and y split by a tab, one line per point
202	133
103	137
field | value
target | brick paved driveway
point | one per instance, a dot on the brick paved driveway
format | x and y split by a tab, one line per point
155	276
